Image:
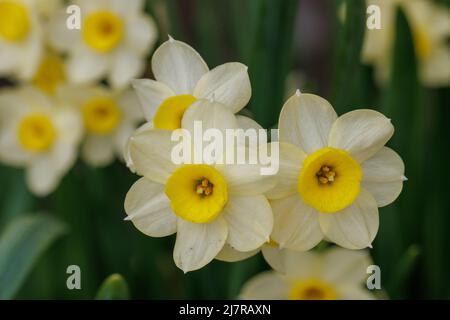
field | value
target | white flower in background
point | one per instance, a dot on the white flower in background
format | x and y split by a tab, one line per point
334	174
46	8
430	27
335	274
109	117
113	42
182	77
40	135
20	38
207	205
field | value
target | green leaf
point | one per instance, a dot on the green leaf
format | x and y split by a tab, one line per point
403	271
21	244
349	81
113	288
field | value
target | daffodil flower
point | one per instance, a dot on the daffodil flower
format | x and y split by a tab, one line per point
183	77
109	117
430	27
20	38
207	205
335	274
334	174
39	134
113	41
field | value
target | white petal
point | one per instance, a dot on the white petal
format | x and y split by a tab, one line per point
291	159
126	65
198	243
385	165
151	94
98	150
295	264
141	34
127	8
361	132
384	192
356	226
127	150
247	123
86	66
9	59
63	156
11	152
148	207
32	54
246	179
305	121
345	266
228	83
349	292
59	36
250	222
121	137
229	254
211	115
383	176
69	125
150	153
265	286
296	224
41	177
178	65
128	102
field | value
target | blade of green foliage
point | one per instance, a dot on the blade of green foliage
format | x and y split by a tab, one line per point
21	244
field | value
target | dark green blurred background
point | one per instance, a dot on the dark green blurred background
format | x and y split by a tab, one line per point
274	38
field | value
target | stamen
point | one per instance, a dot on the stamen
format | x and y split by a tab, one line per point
326	175
204	187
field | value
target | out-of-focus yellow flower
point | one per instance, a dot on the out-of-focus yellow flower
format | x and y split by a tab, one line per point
50	74
109	118
207	205
334	174
182	77
39	134
113	41
336	274
20	38
430	27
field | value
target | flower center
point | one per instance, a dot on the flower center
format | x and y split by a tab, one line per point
326	175
101	115
14	21
329	180
171	111
102	31
197	192
312	289
204	187
49	74
422	43
36	133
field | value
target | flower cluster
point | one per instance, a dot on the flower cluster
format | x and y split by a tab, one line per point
61	99
76	91
334	173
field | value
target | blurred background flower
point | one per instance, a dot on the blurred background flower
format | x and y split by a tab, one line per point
334	274
313	45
